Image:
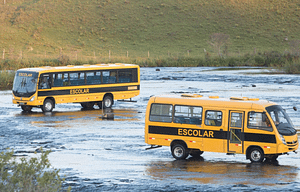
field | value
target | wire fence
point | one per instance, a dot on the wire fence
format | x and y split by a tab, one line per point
13	54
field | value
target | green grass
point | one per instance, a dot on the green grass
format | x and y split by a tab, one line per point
164	28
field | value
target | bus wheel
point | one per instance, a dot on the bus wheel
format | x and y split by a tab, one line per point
196	153
179	151
48	105
256	155
26	108
107	101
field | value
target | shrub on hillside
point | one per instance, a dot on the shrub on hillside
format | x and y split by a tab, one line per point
292	67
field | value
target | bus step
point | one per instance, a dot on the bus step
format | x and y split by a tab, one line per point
153	147
123	100
230	153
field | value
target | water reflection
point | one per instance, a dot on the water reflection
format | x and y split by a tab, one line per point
67	119
208	172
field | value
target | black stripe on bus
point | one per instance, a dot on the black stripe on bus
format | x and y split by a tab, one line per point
190	132
264	138
91	90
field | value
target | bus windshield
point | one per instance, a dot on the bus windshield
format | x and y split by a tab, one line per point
25	84
281	119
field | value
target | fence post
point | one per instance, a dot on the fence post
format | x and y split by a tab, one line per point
3	57
148	54
188	52
4	2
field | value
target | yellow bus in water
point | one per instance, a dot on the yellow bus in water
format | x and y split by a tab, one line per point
191	124
89	85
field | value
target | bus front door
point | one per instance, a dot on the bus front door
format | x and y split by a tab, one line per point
235	134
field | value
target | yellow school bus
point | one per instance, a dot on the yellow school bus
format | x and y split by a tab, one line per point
191	124
89	85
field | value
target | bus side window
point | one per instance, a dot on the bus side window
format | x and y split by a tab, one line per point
45	82
57	80
77	78
161	112
188	115
259	120
213	118
109	77
125	76
65	78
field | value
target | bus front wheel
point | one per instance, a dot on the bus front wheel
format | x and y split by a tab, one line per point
26	108
48	105
256	155
179	151
107	102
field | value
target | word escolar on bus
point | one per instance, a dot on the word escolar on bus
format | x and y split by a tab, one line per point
79	91
89	85
195	133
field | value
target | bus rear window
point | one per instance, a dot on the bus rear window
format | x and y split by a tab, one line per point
161	113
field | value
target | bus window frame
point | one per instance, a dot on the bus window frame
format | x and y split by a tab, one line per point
174	111
213	119
134	78
270	129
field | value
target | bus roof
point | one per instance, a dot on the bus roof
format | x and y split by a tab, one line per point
84	67
213	101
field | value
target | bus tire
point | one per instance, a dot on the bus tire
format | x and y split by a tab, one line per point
107	102
196	153
256	155
48	105
26	108
179	152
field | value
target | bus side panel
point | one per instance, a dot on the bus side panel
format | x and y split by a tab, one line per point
158	133
215	136
265	139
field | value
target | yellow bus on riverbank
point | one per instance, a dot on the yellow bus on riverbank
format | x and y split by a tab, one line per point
89	85
191	124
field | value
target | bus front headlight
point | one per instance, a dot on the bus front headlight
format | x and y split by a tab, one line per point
282	139
32	99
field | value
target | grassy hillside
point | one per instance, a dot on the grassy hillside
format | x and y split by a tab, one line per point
162	27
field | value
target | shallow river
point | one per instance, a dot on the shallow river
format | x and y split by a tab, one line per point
95	154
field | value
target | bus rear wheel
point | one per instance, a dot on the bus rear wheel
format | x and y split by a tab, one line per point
107	102
48	105
26	108
179	151
256	155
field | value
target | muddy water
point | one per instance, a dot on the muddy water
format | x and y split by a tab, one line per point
99	154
